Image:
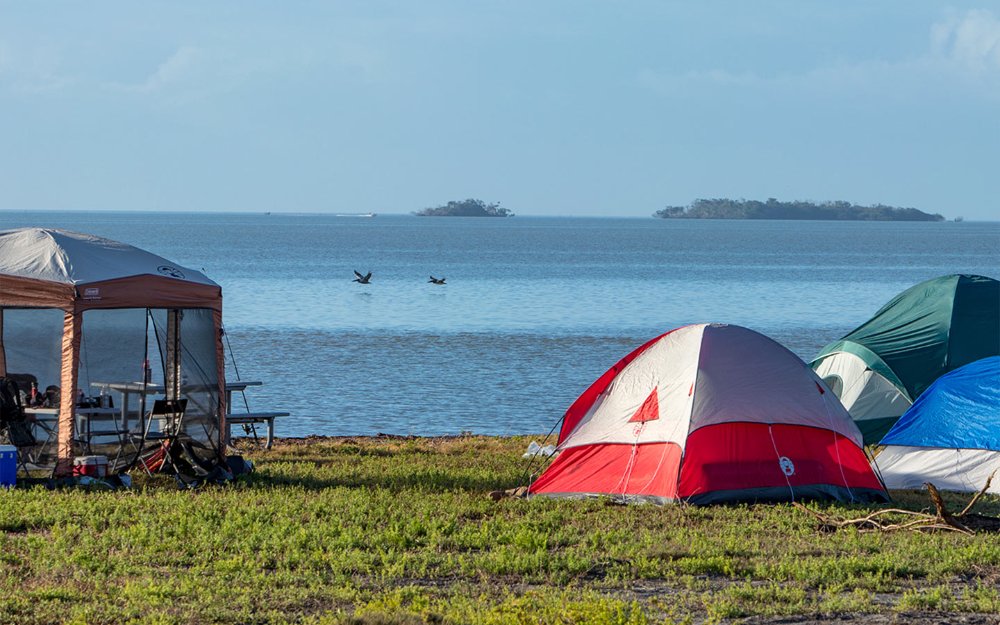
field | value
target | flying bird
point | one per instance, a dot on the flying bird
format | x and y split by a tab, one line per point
362	279
437	280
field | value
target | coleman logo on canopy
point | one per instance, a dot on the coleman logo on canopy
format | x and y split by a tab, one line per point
173	272
92	293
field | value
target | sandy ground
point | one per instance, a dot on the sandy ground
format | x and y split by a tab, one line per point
909	618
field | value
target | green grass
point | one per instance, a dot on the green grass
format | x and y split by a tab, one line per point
403	531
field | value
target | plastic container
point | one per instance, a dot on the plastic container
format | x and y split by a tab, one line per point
8	466
91	466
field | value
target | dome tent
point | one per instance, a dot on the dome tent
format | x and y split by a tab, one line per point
951	435
932	328
709	414
77	311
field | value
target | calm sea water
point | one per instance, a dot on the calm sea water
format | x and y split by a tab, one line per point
534	309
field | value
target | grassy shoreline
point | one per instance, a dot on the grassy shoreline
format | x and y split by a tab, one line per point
402	530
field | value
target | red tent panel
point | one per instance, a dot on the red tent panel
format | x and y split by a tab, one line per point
747	456
638	470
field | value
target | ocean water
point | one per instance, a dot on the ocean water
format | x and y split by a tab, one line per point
534	309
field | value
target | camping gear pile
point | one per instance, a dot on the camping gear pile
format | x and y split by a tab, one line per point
80	312
720	414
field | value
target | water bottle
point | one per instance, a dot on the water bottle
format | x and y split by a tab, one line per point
34	392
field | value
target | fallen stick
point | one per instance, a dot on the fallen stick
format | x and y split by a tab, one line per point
942	520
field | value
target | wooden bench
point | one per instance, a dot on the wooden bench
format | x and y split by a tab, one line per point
248	418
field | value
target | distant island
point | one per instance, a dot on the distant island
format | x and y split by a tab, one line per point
466	208
773	209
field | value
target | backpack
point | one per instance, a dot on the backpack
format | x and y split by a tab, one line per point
11	409
13	428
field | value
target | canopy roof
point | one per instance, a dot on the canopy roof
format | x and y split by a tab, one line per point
927	330
960	410
58	268
75	258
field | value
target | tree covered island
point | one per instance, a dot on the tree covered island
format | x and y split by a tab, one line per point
466	208
773	209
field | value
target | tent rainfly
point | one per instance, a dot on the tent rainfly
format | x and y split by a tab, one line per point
950	437
710	414
79	313
932	328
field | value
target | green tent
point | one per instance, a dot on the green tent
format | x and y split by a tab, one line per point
881	367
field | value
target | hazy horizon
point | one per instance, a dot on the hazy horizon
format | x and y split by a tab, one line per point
291	213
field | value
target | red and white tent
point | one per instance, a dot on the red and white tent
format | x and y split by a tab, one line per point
708	414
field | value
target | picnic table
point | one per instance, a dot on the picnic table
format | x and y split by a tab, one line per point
46	420
241	418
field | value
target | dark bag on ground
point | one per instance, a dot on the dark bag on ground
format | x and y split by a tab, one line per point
13	427
18	434
10	401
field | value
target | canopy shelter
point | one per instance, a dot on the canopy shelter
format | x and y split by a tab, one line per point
950	437
932	328
710	414
79	313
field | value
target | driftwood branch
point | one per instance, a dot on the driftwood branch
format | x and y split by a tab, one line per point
975	499
941	520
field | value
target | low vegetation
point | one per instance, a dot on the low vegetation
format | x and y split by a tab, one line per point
387	530
466	208
721	208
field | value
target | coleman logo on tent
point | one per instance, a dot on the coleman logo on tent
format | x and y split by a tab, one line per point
787	466
92	293
173	272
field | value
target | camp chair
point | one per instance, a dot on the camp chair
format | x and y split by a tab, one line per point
154	447
18	434
14	428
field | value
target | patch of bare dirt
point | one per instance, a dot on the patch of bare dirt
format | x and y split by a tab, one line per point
901	618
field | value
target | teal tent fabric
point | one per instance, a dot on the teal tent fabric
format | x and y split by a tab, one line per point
933	328
924	332
930	329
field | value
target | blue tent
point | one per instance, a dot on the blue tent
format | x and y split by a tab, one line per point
950	436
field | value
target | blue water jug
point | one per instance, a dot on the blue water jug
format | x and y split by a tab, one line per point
8	466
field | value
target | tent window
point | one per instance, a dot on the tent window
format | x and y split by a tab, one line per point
31	340
836	384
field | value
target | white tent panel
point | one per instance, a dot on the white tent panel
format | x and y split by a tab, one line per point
964	470
670	366
865	393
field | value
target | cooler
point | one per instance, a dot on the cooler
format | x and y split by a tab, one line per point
91	466
8	466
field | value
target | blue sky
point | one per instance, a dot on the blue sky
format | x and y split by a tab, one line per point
551	108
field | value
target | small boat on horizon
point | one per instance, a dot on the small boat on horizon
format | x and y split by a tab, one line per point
356	214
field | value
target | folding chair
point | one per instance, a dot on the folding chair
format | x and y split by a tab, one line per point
18	434
154	447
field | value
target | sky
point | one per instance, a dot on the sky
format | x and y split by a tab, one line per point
562	107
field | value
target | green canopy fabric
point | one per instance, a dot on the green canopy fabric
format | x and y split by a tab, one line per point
926	331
